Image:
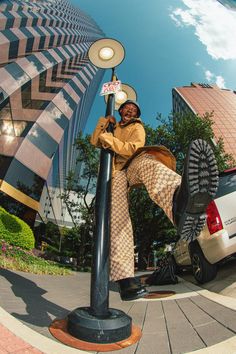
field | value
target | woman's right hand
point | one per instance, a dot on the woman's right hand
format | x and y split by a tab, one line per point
111	119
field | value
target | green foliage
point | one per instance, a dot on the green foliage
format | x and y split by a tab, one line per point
79	238
15	258
87	164
179	130
15	231
150	224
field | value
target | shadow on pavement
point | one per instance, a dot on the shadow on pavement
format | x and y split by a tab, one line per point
37	307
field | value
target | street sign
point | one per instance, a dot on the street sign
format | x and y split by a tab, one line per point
110	87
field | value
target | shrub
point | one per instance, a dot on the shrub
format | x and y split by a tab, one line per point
12	257
15	231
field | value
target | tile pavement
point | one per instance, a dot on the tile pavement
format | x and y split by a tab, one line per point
192	320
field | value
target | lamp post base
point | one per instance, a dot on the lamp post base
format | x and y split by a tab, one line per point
115	327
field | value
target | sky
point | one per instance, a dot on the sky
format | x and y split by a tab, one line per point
168	43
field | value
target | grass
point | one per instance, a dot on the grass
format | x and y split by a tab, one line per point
15	258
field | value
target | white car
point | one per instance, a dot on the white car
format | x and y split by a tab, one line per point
217	240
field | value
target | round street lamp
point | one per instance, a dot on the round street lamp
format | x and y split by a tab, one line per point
106	53
99	323
127	93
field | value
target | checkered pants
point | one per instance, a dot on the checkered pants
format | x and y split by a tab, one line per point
161	183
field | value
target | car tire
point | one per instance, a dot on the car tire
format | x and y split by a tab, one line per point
203	271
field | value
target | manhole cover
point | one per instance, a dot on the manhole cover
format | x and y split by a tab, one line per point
159	294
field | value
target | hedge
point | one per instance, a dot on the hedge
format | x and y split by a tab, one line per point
15	231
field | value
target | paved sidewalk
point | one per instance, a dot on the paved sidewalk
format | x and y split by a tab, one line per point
10	343
192	320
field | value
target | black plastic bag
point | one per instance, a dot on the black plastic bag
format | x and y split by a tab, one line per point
162	276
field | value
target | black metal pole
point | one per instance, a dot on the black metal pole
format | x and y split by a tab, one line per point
99	323
99	295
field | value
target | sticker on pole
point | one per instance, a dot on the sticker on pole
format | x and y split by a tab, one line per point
110	87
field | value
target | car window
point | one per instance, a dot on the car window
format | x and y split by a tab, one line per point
227	184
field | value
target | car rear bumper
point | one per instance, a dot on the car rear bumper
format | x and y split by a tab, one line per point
218	246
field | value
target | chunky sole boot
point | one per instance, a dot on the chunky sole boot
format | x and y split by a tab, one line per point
198	187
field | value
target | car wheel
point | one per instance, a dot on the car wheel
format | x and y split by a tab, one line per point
203	271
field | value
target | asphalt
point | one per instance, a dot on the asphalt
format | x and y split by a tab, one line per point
192	320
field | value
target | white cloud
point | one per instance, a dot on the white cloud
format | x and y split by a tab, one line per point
220	81
209	75
177	22
214	24
213	78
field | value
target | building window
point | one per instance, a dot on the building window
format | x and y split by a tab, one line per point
42	140
29	183
5	110
28	102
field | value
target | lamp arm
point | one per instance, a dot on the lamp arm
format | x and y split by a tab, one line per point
111	104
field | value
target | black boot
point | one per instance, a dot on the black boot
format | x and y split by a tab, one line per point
131	289
198	187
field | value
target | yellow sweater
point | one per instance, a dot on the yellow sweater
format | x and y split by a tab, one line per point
124	142
128	141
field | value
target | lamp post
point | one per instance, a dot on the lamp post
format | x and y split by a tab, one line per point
99	323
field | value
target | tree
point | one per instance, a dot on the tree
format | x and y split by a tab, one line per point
149	222
80	208
179	130
85	183
176	133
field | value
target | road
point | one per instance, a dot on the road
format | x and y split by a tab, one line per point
225	281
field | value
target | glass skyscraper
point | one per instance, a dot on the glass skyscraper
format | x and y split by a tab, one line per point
47	88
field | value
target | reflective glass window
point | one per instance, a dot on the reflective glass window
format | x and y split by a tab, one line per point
13	49
23	19
59	53
54	113
5	162
44	22
36	62
65	156
227	184
29	45
30	39
43	87
10	19
69	100
49	56
10	35
14	128
51	40
55	171
5	110
54	75
42	140
28	102
76	88
25	180
6	127
17	73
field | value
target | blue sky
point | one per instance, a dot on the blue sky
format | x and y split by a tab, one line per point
168	43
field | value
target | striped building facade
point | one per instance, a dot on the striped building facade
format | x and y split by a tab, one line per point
47	88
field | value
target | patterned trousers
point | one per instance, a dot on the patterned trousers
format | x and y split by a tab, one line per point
161	183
